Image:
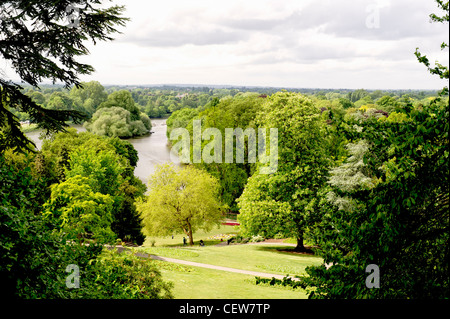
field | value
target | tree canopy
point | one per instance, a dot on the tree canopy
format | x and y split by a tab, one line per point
118	116
180	200
285	201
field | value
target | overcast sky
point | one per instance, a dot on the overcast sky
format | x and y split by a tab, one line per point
285	43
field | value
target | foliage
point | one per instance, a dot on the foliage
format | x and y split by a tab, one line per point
102	169
180	119
108	164
25	24
119	116
116	122
229	112
123	99
285	282
180	200
89	96
395	214
284	202
399	223
122	276
34	252
81	211
439	69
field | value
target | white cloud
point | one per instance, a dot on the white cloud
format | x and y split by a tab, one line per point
273	42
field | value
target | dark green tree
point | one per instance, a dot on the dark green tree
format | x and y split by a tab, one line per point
389	205
43	40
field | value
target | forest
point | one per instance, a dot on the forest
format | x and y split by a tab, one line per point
345	159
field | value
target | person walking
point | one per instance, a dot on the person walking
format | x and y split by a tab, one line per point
184	241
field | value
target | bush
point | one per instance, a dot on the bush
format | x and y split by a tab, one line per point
122	276
256	239
239	240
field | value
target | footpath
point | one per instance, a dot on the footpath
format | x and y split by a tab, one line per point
196	264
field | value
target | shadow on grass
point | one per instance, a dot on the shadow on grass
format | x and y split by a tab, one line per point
285	250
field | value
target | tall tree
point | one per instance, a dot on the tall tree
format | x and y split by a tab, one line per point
285	201
89	96
42	40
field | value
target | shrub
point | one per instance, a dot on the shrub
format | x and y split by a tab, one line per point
256	239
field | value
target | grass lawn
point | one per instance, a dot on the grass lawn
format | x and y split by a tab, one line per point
254	257
202	283
178	238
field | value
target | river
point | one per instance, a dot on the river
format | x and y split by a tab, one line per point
152	149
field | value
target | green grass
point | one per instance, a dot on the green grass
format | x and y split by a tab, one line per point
254	257
178	238
202	283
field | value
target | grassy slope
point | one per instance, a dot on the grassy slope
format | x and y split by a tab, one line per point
202	283
255	257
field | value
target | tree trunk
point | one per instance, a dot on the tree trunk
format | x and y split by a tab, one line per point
300	247
191	240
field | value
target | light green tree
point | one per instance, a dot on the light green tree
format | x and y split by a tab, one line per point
102	168
117	122
180	200
81	211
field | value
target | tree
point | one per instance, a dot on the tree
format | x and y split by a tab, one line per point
108	164
60	101
123	99
89	96
439	69
285	201
115	122
180	200
231	112
42	40
102	168
389	206
80	210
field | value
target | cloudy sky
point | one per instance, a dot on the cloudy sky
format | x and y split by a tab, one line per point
285	43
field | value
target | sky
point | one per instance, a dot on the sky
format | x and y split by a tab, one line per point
366	44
